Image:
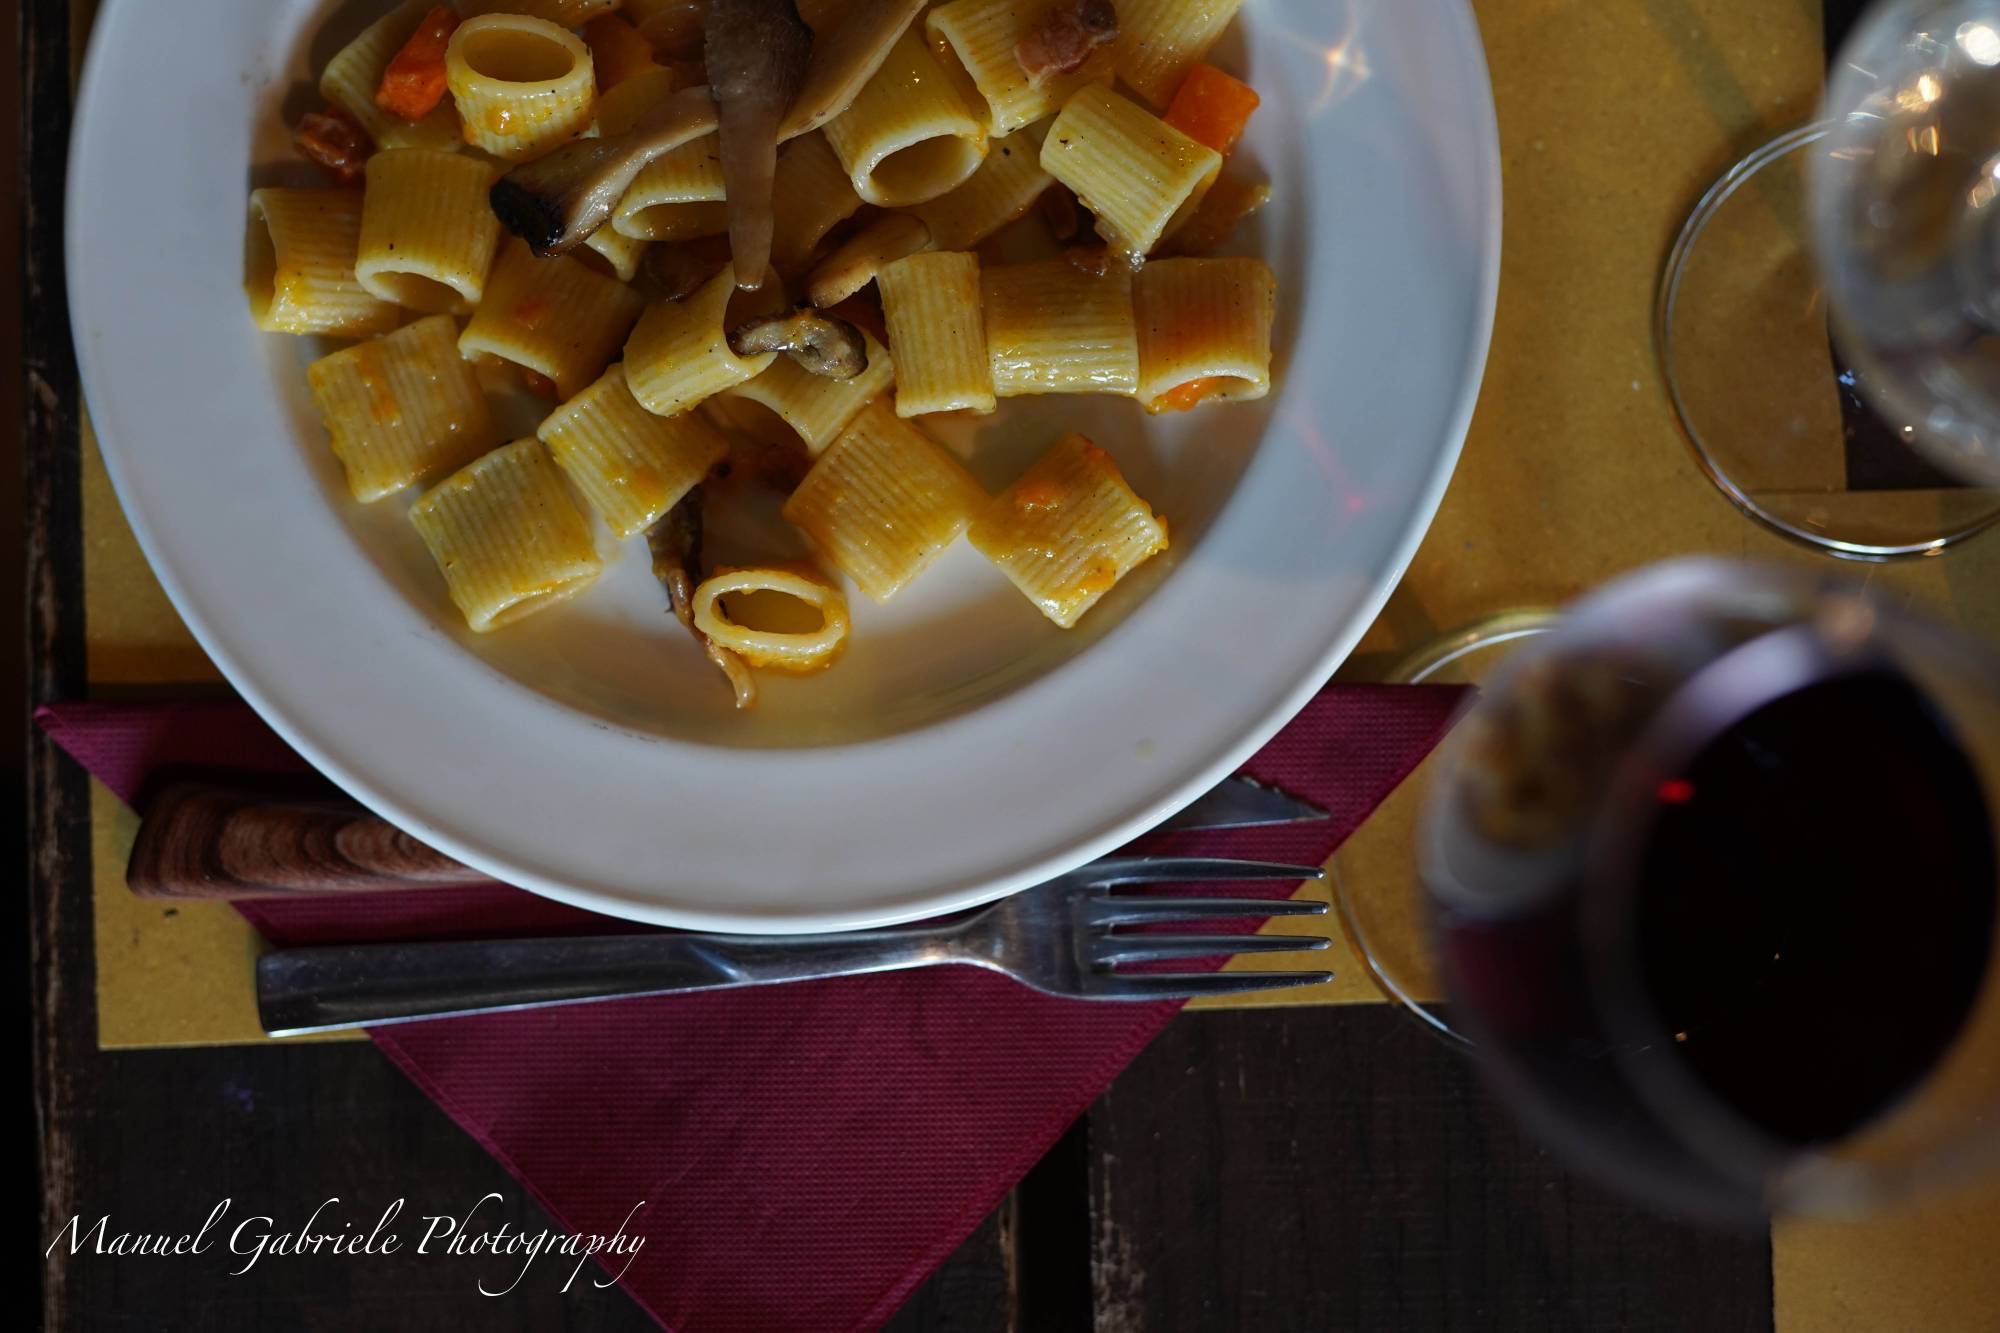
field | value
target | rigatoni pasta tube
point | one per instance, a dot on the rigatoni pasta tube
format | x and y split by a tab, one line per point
818	407
567	13
1006	186
810	193
787	650
428	234
554	316
1053	328
689	174
679	353
507	536
299	265
981	36
402	409
613	254
619	109
1159	41
681	222
884	501
618	51
1138	174
1205	321
522	85
931	303
355	72
631	465
909	135
1068	530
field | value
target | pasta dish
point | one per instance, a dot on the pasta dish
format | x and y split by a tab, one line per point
742	247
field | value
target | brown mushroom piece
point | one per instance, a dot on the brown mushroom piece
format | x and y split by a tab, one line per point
756	52
675	544
557	202
822	343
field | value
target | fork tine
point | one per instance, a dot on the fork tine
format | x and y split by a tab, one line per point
1188	869
1189	985
1108	949
1117	909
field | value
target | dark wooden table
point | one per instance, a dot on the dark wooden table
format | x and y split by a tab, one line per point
1308	1168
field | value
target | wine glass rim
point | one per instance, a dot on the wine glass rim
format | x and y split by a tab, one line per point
1664	306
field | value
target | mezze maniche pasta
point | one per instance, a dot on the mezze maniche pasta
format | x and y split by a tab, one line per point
994	198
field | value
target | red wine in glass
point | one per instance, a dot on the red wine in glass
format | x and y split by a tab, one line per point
1714	881
1814	937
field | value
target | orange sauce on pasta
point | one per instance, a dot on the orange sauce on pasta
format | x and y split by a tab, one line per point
383	408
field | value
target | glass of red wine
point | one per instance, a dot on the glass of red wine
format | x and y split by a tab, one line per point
1713	885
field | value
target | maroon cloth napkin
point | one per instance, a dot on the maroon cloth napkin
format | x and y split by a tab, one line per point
804	1155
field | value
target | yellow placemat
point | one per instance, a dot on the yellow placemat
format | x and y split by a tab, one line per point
1615	115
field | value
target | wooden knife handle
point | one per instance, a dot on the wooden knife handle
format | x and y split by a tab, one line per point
200	840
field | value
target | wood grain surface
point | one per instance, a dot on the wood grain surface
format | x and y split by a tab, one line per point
58	915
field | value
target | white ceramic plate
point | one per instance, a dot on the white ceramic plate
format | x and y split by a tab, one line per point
963	747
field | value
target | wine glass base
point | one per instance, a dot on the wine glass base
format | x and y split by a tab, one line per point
1741	332
1376	894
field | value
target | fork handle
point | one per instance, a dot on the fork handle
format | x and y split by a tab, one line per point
201	840
318	989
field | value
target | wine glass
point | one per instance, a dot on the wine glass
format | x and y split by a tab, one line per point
1901	200
1714	891
1868	439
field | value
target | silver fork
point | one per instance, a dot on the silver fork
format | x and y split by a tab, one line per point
1061	938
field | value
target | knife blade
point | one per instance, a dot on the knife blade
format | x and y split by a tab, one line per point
1242	802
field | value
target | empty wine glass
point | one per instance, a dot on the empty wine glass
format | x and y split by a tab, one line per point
1902	203
1877	438
1713	883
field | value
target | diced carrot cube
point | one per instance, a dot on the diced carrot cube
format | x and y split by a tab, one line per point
1211	107
414	84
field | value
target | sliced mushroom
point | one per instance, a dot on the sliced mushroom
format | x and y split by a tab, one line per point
556	202
756	52
820	342
855	263
844	57
675	543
